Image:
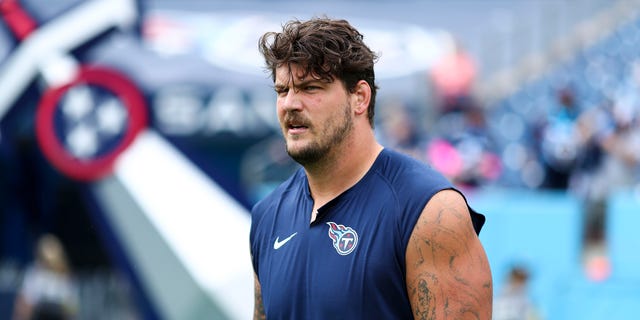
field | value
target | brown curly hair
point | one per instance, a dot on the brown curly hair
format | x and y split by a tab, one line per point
327	49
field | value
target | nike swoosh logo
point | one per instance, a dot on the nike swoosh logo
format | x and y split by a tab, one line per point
277	244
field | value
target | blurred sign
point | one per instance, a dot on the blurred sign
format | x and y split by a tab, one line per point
182	110
230	40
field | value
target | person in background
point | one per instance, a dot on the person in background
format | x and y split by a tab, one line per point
513	302
48	290
559	139
464	149
453	80
359	231
399	129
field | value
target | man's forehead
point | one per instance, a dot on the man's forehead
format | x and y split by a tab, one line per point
286	73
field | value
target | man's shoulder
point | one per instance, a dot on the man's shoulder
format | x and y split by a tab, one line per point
413	180
403	170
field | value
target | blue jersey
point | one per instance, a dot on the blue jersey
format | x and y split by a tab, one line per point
350	262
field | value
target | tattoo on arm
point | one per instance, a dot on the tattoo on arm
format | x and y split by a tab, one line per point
448	275
425	309
258	307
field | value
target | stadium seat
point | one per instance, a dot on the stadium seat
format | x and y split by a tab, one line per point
537	229
585	300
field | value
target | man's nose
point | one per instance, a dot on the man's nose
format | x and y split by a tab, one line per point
291	100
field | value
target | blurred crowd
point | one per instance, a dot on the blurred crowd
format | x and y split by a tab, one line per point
578	144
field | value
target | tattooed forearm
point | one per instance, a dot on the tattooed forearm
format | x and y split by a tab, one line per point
258	310
258	307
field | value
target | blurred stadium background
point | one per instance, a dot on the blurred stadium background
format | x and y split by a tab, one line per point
140	133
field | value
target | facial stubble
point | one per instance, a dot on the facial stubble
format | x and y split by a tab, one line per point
338	128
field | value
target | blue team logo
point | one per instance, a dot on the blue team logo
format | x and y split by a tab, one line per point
345	239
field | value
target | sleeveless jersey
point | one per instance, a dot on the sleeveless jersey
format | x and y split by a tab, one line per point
350	262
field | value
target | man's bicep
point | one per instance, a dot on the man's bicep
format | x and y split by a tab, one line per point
447	270
258	306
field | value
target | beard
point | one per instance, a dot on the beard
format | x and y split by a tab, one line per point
336	130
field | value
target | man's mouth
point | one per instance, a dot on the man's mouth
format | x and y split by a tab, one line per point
296	126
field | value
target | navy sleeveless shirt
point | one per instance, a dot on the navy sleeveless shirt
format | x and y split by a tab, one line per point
350	262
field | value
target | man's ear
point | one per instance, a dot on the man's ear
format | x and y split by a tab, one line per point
362	96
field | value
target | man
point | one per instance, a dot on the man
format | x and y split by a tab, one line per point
359	232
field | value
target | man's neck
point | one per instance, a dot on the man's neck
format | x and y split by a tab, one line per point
341	169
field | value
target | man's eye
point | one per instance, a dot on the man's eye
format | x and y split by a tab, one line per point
311	88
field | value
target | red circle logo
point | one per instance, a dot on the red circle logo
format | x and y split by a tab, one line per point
98	166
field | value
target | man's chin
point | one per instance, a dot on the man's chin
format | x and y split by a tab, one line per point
304	156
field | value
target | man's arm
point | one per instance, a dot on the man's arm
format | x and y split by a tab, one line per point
448	274
258	307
